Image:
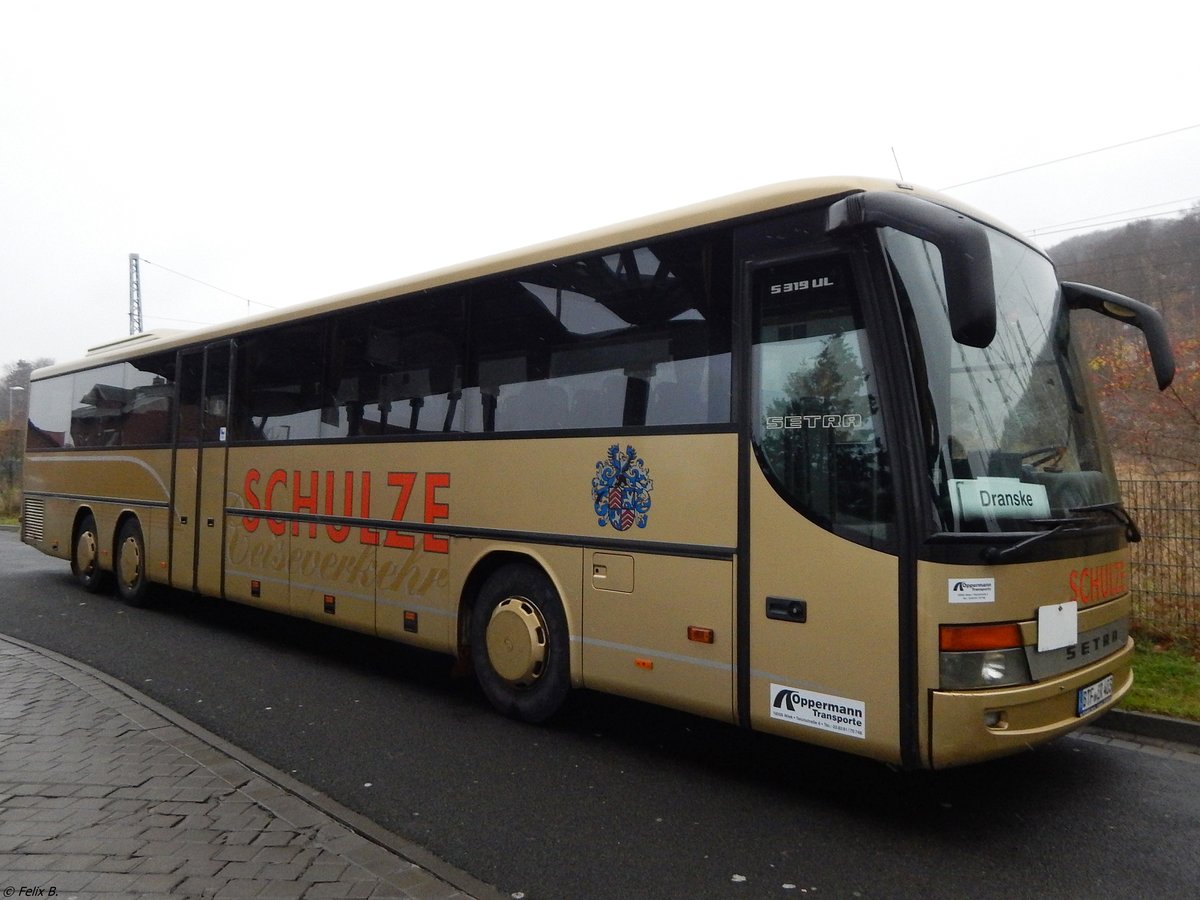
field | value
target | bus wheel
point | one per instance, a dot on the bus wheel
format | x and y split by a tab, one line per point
519	643
85	557
132	583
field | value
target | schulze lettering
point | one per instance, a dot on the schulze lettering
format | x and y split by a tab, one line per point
1096	583
345	495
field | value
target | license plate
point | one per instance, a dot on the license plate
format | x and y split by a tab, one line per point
1093	695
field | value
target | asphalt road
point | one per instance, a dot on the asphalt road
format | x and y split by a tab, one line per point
615	798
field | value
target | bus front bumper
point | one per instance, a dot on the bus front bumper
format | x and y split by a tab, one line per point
971	726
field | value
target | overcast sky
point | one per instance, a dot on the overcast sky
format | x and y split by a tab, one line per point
287	151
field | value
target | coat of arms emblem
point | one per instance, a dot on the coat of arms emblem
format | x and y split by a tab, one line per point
621	489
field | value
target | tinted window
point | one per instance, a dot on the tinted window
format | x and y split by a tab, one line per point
50	403
98	405
817	428
191	380
396	368
127	404
281	391
624	339
149	400
216	393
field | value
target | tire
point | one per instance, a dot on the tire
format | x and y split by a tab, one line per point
85	556
130	564
520	646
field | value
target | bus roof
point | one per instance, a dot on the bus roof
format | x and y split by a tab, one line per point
727	208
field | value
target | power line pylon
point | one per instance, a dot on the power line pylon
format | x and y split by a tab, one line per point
135	294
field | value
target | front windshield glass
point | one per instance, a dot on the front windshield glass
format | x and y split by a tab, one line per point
1012	431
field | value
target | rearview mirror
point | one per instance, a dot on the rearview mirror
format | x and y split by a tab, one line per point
962	242
1131	312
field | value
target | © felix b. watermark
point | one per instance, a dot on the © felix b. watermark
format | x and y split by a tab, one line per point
25	890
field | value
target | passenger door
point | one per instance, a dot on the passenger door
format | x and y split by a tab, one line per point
198	490
823	605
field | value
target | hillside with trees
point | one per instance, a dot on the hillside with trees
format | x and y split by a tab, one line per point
1158	262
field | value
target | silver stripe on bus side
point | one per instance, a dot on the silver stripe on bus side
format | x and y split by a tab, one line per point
650	651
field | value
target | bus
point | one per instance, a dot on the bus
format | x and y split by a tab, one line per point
820	459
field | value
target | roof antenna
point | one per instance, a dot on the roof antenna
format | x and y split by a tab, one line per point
896	159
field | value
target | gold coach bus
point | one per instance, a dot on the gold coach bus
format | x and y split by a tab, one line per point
819	459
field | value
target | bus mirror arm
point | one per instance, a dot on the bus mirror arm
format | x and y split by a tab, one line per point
961	241
1131	312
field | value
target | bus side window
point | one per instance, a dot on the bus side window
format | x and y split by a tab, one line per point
99	401
150	386
279	384
817	429
191	376
216	393
397	369
50	403
639	336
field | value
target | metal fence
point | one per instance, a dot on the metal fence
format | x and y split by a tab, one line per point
1166	574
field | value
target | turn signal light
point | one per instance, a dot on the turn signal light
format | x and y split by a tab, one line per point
700	635
980	637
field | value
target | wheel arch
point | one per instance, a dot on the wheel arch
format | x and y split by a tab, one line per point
81	511
494	559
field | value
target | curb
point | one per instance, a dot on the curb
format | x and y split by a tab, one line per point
1142	724
365	828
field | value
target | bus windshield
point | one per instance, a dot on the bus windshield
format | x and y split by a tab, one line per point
1013	438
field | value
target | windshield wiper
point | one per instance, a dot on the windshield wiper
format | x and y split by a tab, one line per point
994	555
1133	534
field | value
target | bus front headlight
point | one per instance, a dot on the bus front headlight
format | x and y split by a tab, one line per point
974	669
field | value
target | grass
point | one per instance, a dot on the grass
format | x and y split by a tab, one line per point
10	505
1166	681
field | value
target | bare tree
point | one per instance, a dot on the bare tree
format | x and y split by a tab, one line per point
14	388
1157	262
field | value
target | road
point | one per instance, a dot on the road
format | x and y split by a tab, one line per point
616	798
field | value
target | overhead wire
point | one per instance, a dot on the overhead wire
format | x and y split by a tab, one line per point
206	284
1051	162
1069	226
1102	220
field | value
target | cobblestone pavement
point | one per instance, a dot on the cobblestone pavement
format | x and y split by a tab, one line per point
103	792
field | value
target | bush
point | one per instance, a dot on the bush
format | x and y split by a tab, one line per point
10	504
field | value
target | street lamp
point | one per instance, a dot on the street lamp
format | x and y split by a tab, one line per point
13	462
11	403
